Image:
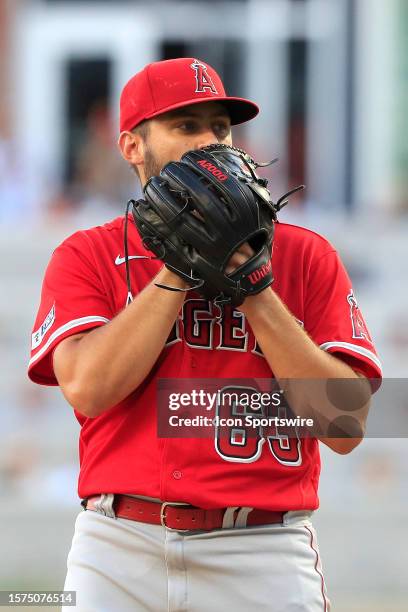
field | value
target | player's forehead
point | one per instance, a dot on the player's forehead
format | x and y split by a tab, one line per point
204	110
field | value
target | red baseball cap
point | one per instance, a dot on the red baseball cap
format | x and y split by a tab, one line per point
164	86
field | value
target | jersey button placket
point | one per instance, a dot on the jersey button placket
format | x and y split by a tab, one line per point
177	474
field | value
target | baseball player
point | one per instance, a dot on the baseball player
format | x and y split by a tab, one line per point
193	524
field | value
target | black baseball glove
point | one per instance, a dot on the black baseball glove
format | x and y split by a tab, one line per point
199	211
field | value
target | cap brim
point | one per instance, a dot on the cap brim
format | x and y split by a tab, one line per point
239	109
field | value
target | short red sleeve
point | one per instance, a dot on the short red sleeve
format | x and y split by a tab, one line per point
333	318
73	300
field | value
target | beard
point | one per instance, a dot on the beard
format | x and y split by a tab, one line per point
152	165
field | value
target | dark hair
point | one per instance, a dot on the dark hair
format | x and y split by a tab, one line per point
142	129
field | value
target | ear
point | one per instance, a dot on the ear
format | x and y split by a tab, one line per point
131	147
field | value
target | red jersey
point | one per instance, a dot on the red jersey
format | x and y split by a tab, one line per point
120	451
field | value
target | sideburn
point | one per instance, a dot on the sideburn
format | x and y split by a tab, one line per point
152	165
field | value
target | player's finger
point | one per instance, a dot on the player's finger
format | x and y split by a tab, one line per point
239	257
245	249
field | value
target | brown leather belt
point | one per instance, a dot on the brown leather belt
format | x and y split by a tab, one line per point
178	516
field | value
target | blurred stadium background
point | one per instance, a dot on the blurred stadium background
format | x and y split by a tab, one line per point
331	77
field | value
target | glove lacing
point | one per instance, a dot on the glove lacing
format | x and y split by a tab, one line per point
196	282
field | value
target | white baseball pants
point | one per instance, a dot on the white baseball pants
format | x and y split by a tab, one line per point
119	565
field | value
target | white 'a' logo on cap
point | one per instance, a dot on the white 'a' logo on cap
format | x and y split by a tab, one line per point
203	79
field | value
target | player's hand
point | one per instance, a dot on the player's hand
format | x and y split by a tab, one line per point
167	277
239	257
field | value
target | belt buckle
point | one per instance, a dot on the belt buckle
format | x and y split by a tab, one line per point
163	514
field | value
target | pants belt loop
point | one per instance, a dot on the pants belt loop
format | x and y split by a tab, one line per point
242	516
105	505
228	520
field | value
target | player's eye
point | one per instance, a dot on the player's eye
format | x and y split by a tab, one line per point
188	126
221	129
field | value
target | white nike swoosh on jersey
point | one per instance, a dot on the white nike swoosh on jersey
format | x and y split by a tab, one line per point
120	260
